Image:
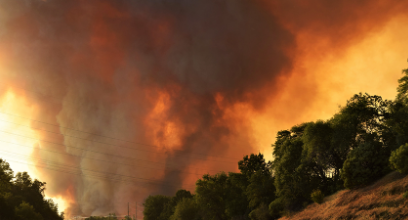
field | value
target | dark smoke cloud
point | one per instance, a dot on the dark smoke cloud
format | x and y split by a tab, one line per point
339	22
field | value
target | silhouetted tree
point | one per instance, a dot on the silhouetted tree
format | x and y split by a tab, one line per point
365	164
186	209
154	207
211	196
399	159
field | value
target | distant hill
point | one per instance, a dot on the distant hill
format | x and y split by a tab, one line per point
382	200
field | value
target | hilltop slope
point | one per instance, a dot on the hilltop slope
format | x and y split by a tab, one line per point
381	200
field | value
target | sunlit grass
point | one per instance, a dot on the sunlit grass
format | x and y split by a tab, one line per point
381	200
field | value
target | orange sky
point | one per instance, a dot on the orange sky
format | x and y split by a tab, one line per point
166	93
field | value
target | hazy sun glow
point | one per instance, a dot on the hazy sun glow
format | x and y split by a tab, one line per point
373	65
17	139
14	145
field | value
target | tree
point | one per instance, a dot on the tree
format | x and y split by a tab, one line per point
397	121
399	159
403	86
26	211
236	204
323	158
21	196
293	181
261	213
6	175
361	120
365	164
317	196
6	210
276	208
260	190
169	207
154	207
186	209
254	163
211	196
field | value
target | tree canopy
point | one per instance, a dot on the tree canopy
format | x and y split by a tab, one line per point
22	198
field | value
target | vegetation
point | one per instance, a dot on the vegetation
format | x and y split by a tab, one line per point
111	216
399	159
381	200
317	196
359	145
22	198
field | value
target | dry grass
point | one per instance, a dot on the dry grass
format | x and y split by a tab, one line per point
381	200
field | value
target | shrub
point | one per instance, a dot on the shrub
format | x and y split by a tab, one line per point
365	164
26	211
260	213
399	158
186	209
317	196
276	208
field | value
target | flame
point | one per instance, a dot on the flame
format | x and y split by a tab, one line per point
163	131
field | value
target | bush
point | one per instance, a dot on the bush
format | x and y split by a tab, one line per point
26	211
186	209
276	208
260	213
399	158
317	196
405	195
365	164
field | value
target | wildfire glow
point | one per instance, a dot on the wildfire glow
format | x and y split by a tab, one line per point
12	144
17	139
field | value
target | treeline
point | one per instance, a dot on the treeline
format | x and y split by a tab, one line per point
365	140
111	216
22	198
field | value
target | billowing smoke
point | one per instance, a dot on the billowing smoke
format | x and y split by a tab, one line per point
149	89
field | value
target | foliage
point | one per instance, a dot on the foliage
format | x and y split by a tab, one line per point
20	197
405	195
254	163
6	176
170	206
403	86
154	207
323	154
276	208
236	202
398	113
211	195
260	213
317	196
186	209
364	165
111	216
260	190
399	159
293	175
26	211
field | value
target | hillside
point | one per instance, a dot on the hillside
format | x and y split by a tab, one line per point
381	200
